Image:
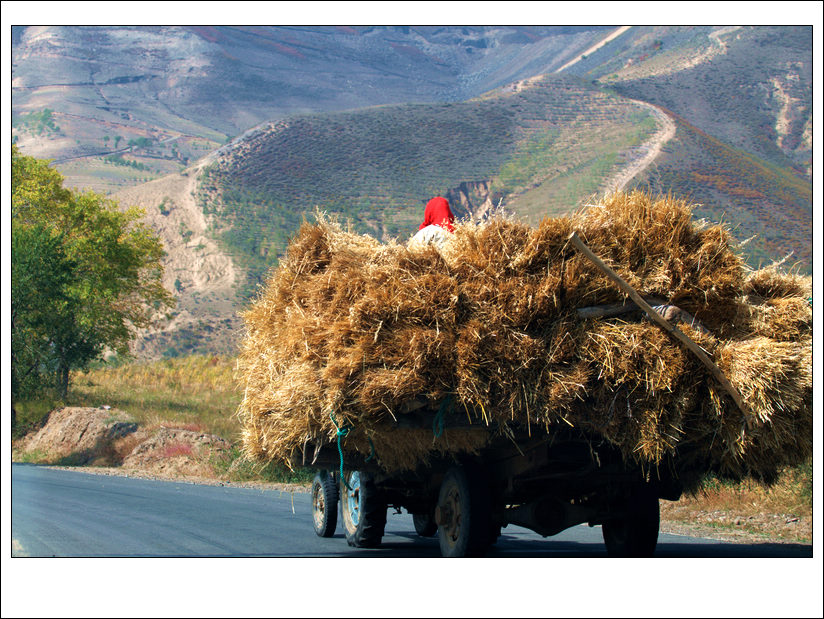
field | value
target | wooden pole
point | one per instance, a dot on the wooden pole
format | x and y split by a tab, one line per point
615	309
661	321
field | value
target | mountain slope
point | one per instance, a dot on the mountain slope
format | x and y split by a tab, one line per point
755	197
203	277
750	87
370	122
161	97
556	137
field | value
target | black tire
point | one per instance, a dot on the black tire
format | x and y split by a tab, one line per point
463	513
324	504
636	533
363	510
425	524
494	534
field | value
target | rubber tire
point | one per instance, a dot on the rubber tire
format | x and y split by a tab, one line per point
494	534
325	492
425	524
468	488
368	532
636	534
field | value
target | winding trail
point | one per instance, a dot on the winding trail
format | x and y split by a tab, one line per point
596	47
649	149
652	147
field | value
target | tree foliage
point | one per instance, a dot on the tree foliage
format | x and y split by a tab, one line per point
85	275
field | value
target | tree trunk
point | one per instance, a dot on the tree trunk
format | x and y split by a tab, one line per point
63	378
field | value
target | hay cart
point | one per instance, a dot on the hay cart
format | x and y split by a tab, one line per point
350	326
545	484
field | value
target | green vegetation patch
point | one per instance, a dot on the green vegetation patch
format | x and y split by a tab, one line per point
119	160
36	123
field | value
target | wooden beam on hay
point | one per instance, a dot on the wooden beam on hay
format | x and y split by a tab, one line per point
661	321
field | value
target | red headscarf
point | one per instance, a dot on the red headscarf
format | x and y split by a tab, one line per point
437	212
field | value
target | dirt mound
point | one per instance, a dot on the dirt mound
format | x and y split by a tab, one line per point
109	437
80	435
175	451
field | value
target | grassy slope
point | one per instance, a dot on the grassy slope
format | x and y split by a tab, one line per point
735	95
756	198
552	144
725	87
572	169
726	155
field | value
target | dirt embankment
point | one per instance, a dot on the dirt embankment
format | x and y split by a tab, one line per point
106	437
200	274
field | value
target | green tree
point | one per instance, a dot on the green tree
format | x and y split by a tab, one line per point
86	274
39	276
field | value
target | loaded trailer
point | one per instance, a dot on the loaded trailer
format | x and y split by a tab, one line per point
546	484
604	360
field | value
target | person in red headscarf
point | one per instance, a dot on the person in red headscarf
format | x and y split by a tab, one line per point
437	213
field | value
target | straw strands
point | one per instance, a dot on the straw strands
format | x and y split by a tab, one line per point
354	328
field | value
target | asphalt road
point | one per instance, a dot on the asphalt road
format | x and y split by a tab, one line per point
60	513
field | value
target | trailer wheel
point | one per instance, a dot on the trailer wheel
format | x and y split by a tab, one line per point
324	504
636	533
463	513
494	533
425	524
364	511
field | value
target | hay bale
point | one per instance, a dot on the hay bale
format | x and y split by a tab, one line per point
348	330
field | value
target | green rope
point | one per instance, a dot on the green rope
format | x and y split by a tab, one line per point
341	432
438	423
372	449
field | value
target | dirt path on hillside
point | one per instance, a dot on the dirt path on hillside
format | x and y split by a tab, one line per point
172	211
649	150
595	47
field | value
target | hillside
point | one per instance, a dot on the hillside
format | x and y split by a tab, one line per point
123	105
757	199
556	136
742	101
750	87
203	278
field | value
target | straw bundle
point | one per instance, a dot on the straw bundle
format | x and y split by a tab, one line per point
349	330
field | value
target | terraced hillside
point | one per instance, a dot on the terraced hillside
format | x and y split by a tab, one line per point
742	101
758	199
378	167
370	122
750	87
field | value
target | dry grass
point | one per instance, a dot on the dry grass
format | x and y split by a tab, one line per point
791	493
197	393
350	327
